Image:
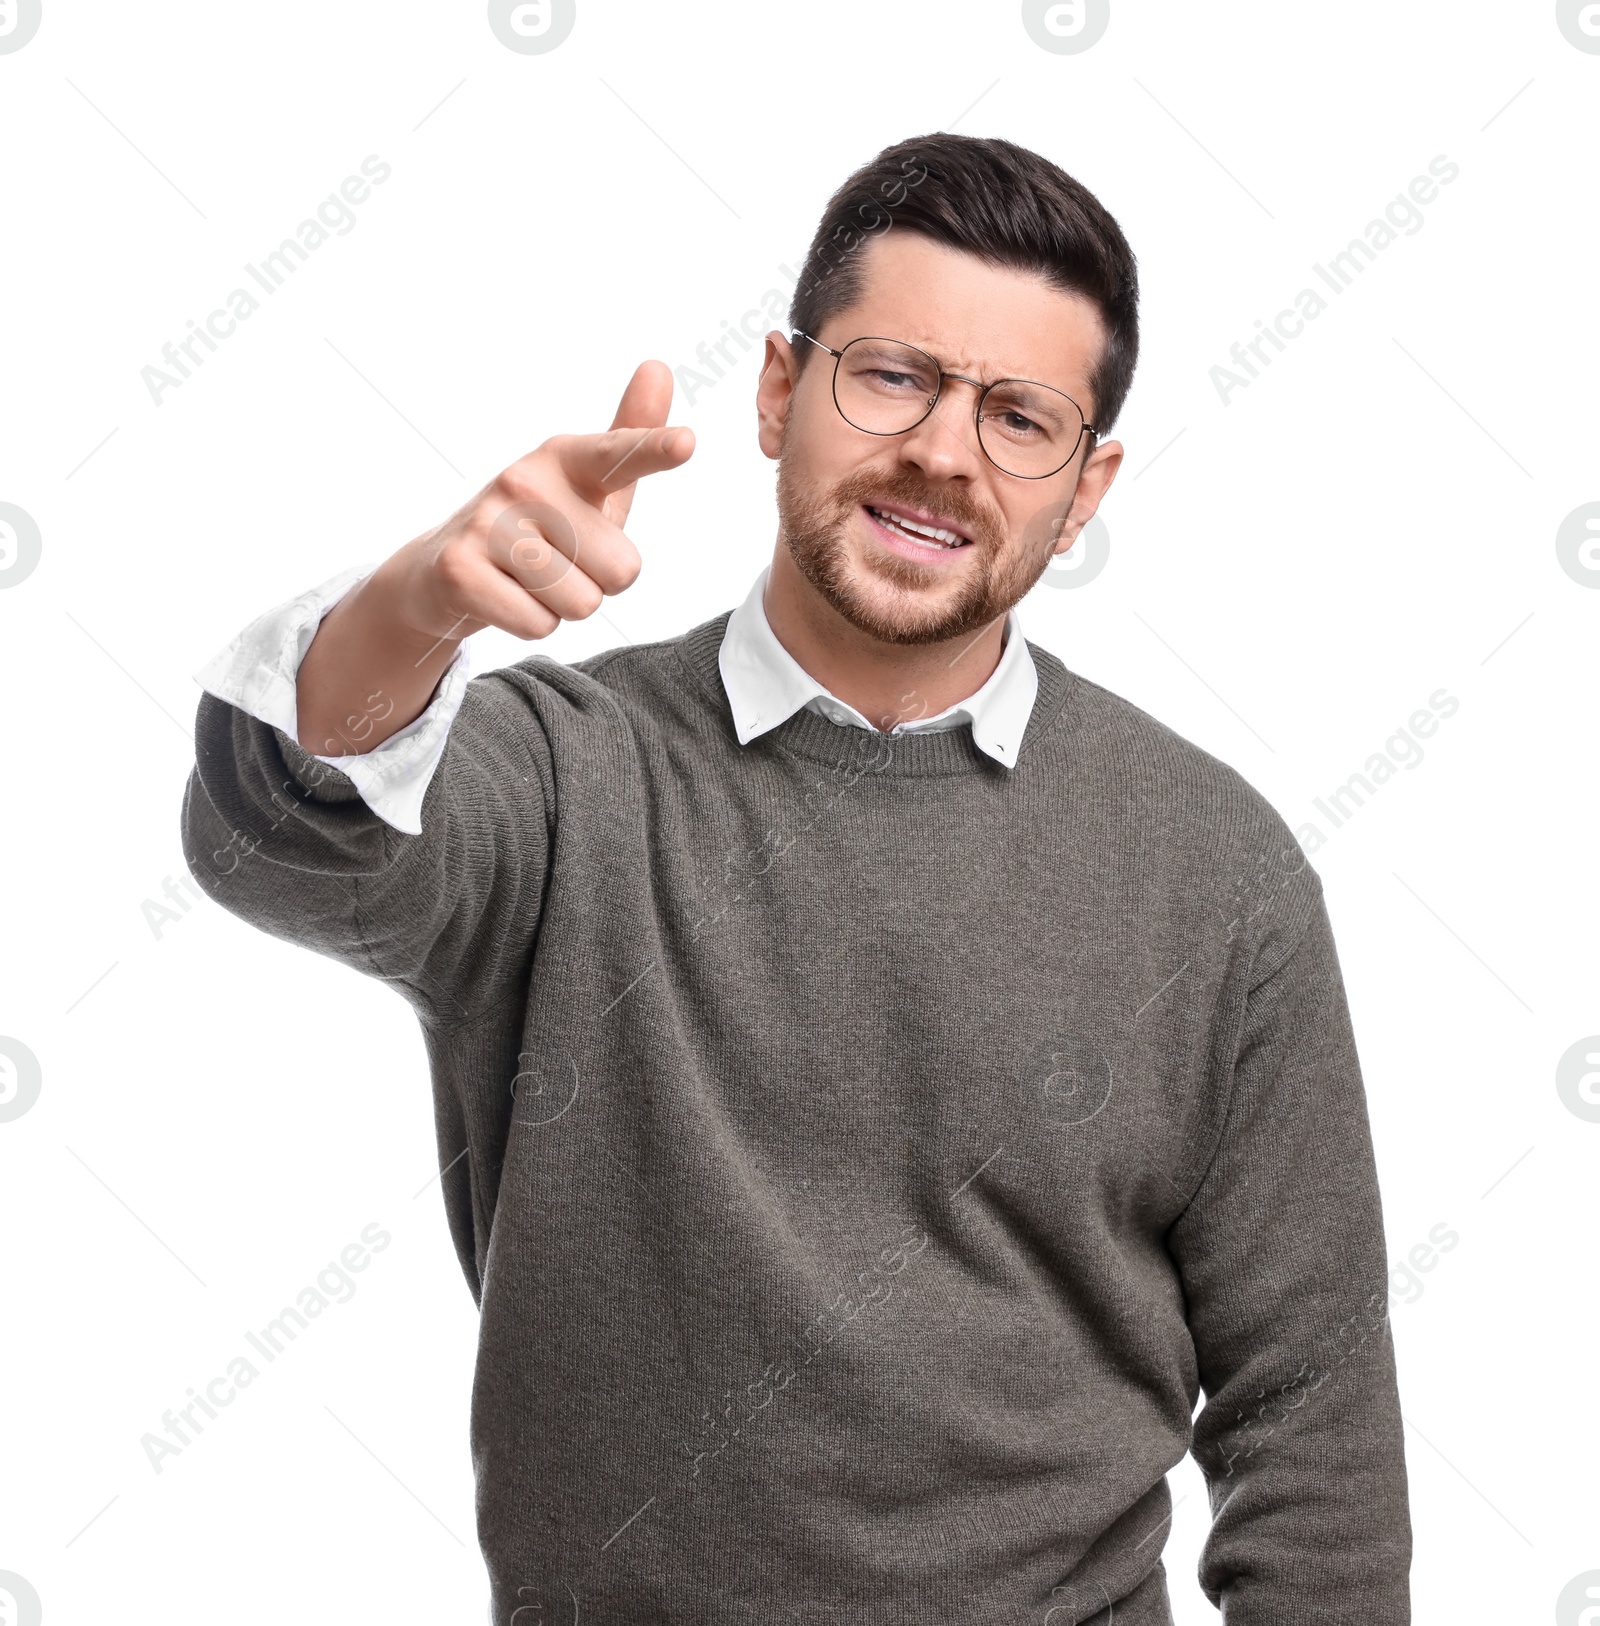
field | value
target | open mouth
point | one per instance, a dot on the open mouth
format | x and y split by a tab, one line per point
924	534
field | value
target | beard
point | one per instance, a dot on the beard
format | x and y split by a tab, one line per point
919	608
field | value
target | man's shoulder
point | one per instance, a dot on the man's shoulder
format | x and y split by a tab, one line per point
1186	821
1130	757
640	678
631	664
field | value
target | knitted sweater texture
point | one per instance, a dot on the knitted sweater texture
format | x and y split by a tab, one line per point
871	1154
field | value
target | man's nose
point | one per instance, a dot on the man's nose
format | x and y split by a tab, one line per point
945	444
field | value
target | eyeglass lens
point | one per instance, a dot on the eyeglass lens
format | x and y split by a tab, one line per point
885	388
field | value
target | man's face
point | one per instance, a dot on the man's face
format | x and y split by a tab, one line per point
841	490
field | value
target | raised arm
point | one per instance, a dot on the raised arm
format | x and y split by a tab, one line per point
542	543
289	843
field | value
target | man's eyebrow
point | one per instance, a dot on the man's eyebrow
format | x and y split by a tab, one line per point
959	365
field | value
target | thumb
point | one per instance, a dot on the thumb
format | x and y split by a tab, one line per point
647	399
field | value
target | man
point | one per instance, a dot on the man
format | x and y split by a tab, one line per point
881	1077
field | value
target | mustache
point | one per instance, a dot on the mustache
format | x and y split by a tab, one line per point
980	521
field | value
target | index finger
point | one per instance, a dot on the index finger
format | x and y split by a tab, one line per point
647	399
601	464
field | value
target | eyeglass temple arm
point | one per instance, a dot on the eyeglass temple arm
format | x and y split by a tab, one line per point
818	343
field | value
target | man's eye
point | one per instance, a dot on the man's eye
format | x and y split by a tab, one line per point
894	381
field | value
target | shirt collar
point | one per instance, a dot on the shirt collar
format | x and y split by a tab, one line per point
766	686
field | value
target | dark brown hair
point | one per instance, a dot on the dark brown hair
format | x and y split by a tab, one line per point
996	200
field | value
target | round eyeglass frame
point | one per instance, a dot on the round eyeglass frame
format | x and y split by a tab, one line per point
961	378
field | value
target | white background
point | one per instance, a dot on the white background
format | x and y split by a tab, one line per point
1292	574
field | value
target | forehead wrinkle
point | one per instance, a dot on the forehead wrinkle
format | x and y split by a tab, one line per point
950	361
960	362
943	321
901	277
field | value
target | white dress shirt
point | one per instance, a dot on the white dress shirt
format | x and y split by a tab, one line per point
256	671
766	685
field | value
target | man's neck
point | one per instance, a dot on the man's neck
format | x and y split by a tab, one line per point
886	683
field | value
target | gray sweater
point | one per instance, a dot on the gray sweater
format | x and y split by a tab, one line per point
871	1152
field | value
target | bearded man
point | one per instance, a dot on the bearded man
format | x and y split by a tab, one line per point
882	1078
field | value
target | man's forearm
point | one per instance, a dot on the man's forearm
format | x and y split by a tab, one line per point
507	558
367	674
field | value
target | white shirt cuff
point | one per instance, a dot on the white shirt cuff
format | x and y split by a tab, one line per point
256	671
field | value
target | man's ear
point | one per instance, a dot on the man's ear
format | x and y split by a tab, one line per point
774	392
1094	480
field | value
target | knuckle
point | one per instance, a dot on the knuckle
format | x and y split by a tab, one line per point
454	567
615	564
510	485
526	478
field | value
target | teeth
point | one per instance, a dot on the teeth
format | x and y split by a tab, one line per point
921	533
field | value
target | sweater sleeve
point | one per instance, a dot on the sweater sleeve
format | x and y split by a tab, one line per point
1282	1255
258	670
284	840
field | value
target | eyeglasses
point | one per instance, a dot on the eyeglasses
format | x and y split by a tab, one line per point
886	387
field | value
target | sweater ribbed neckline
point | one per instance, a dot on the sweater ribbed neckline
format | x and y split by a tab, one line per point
813	736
